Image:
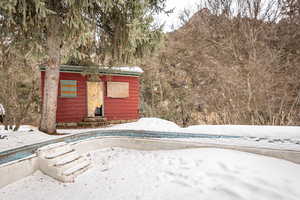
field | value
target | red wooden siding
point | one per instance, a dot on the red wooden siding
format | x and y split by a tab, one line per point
75	109
123	108
71	109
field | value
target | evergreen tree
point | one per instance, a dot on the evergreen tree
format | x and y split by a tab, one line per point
57	27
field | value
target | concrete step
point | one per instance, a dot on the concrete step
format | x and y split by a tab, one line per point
66	159
95	119
61	148
71	164
52	146
71	177
81	171
66	125
62	162
72	155
58	153
92	124
77	169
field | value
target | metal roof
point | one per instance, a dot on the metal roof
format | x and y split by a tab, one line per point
124	70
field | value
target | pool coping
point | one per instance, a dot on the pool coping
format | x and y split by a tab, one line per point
27	150
18	153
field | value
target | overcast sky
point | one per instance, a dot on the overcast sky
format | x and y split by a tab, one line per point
178	6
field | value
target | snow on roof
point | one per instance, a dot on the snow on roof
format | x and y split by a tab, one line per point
126	70
135	69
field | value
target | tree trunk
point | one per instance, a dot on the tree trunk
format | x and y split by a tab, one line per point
11	126
5	124
48	118
17	124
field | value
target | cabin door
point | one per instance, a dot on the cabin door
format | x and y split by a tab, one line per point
94	98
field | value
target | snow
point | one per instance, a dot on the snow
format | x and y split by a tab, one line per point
276	137
205	173
247	130
156	124
269	143
24	136
135	69
149	124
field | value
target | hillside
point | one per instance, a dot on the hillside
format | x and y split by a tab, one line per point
226	70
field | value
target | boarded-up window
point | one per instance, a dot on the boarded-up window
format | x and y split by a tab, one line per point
118	89
68	88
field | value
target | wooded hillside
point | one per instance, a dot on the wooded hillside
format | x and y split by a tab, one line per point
222	67
227	64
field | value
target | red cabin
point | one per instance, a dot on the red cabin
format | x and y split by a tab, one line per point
88	94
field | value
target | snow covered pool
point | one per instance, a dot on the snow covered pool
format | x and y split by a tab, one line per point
205	173
167	172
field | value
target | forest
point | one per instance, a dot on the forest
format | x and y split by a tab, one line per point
230	62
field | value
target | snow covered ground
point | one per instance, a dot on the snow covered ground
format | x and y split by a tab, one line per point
156	124
204	173
282	132
179	174
149	124
277	137
24	136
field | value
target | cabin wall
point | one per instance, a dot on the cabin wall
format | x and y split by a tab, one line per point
75	109
71	109
122	108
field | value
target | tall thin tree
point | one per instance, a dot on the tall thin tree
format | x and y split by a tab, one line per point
59	26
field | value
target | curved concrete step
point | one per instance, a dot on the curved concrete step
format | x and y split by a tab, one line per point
59	153
94	119
54	151
51	146
67	159
71	164
92	124
77	168
62	162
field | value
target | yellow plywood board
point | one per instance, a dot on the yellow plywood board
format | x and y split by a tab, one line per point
95	96
118	89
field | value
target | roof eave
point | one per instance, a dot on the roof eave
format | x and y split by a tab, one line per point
80	69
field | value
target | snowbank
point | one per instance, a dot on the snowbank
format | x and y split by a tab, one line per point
24	136
278	137
149	124
156	124
246	130
169	175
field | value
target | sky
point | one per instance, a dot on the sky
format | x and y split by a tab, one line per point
180	5
172	19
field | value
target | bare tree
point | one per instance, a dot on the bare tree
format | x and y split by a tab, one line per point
18	87
238	60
